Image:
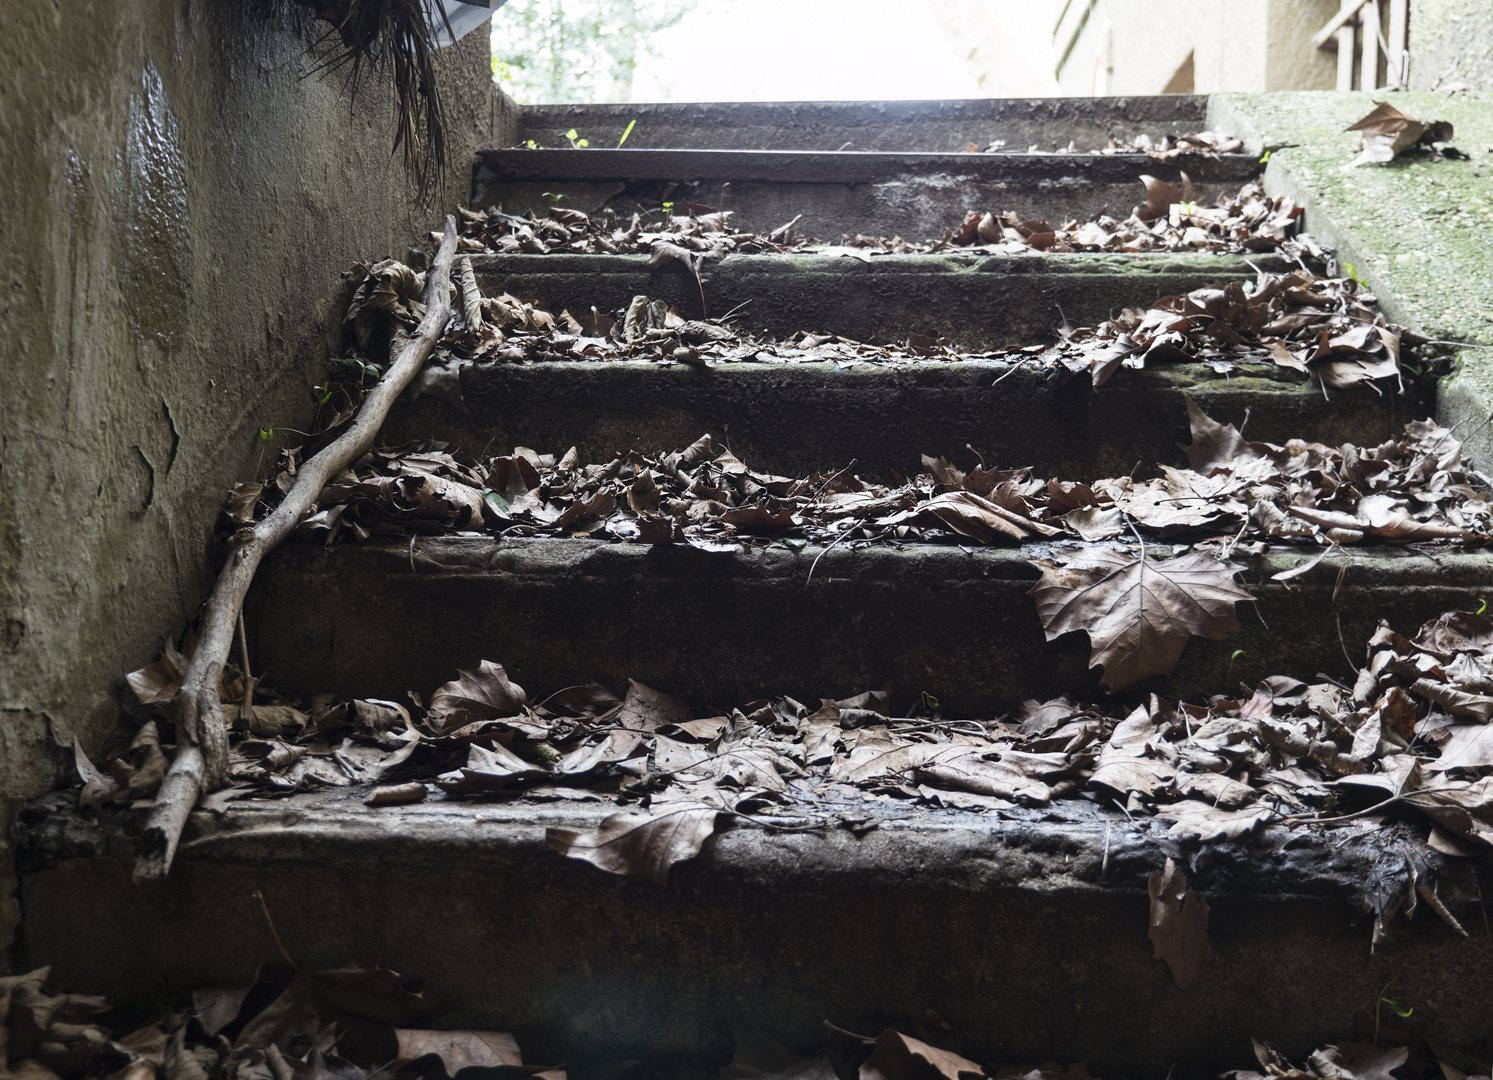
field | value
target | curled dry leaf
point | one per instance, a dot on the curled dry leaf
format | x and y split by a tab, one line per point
484	694
642	844
900	1057
458	1049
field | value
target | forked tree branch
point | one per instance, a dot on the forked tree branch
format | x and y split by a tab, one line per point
201	761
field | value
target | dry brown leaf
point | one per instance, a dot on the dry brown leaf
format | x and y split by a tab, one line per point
1179	924
484	694
1138	614
639	843
647	709
458	1049
901	1057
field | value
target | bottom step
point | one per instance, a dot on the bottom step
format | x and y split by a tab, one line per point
381	619
1026	931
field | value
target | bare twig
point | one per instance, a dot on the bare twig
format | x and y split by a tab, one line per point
202	736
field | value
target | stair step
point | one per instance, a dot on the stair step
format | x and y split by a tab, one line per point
1025	931
793	419
900	126
976	301
719	628
914	195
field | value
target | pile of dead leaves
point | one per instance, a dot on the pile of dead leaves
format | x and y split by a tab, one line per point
704	235
1415	488
1325	329
358	1022
1410	737
1171	219
1196	144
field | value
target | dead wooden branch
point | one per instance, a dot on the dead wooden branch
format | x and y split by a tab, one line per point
201	761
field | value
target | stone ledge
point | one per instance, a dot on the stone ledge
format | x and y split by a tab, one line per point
1015	927
794	418
719	628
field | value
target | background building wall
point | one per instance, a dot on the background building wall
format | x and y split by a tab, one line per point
179	196
1451	41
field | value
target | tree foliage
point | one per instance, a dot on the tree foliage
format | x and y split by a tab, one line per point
576	50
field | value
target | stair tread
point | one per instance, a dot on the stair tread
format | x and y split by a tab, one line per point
721	627
848	166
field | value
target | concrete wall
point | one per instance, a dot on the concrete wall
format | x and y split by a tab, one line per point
1234	45
178	198
1451	41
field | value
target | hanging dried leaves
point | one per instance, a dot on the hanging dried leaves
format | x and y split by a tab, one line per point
1179	924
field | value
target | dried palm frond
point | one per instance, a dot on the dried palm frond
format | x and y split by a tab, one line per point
397	37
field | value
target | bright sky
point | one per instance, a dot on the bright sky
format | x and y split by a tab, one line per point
826	50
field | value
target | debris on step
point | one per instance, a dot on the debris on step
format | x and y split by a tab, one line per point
1237	495
1406	742
1173	217
364	1021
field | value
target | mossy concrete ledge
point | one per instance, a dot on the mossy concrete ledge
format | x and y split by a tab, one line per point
1416	231
1025	930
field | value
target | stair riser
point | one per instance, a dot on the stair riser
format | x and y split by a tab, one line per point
977	303
721	629
793	419
838	198
1011	938
892	126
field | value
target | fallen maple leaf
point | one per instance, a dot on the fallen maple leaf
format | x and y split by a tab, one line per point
1138	613
1179	924
640	843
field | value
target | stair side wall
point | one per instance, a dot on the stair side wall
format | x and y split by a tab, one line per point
180	194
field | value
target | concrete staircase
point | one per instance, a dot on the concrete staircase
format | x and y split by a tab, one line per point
1026	931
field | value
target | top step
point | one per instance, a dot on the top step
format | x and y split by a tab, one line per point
906	126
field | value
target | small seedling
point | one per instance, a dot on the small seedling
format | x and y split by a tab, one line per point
930	703
1403	1014
1237	654
266	433
1353	273
575	140
1482	605
1265	157
531	144
554	196
668	207
630	125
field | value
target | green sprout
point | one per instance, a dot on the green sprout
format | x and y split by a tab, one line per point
266	433
668	207
554	196
1482	605
575	140
1394	1006
1353	273
1235	655
531	144
630	125
1266	156
930	702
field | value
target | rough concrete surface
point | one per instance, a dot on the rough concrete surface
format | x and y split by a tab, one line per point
976	301
796	419
1416	231
1451	41
1025	931
719	628
178	200
917	196
899	126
